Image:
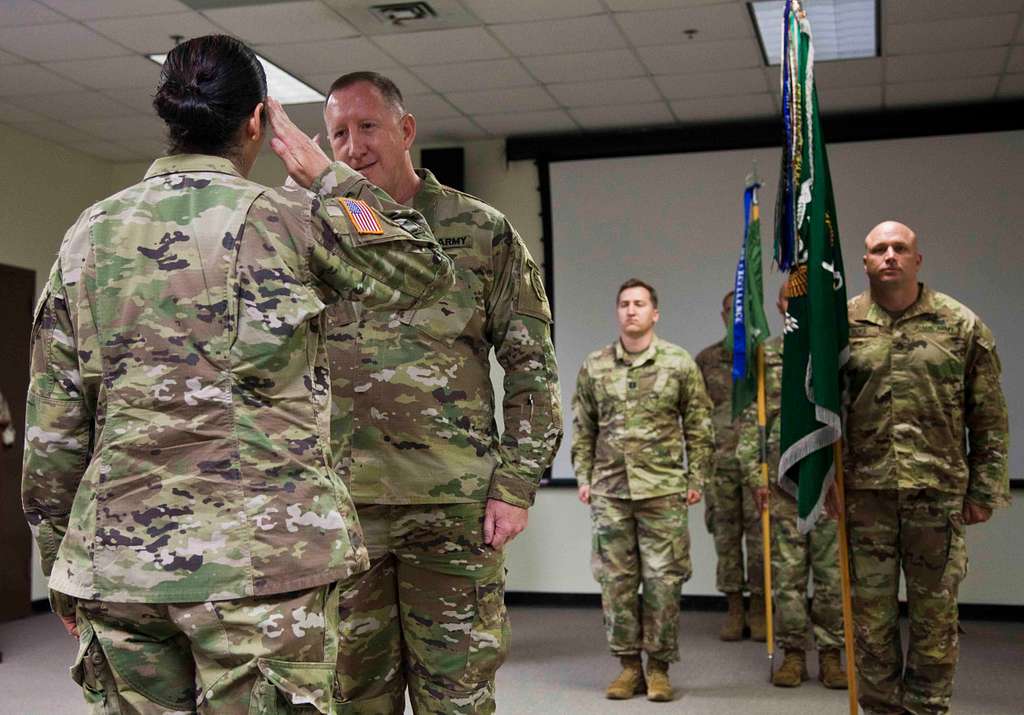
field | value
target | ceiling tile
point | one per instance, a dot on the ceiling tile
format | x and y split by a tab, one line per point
315	57
430	106
950	65
11	113
8	59
468	76
712	84
56	132
664	27
583	66
642	5
407	84
508	124
701	56
502	100
95	9
848	73
958	34
940	92
440	46
80	105
550	37
32	79
282	22
1011	86
498	11
925	10
850	99
138	98
152	34
309	117
1016	63
627	115
140	126
453	128
609	92
61	41
111	73
724	108
26	12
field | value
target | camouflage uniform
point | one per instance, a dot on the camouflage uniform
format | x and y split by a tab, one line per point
425	456
730	512
177	429
632	414
793	554
927	428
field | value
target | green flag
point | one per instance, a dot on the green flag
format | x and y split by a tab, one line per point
749	324
816	344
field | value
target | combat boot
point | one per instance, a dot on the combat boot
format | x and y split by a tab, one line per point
630	680
659	689
830	669
732	629
755	618
793	670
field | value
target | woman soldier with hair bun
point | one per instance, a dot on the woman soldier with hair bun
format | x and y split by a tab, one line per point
177	469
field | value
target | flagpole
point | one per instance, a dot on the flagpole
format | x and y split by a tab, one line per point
766	530
844	573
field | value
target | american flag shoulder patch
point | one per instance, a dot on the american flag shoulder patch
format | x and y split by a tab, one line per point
362	216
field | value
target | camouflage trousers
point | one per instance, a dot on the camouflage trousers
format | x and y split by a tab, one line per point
643	542
794	557
732	518
254	656
922	532
429	614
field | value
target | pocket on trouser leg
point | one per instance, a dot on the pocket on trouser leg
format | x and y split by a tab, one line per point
292	688
92	673
596	558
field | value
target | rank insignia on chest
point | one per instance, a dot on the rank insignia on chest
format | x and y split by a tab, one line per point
362	216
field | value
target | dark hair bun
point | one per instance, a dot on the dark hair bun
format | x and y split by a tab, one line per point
208	87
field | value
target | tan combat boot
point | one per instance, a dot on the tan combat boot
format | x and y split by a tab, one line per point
659	689
630	680
830	670
732	629
793	670
755	618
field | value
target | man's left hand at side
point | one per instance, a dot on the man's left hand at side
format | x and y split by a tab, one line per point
975	513
503	522
692	496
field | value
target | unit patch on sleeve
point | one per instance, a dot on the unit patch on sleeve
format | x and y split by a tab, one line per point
362	216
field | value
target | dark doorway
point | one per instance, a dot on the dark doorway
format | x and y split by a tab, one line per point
17	293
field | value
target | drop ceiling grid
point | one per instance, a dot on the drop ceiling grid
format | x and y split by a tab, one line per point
932	51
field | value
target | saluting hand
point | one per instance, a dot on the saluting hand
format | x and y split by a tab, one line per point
503	522
303	158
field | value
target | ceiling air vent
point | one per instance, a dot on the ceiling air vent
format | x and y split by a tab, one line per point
402	14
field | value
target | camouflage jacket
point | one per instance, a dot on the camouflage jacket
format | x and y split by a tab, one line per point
925	410
715	363
177	434
748	442
418	382
633	415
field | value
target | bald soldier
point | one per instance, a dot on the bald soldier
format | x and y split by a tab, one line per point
438	490
926	455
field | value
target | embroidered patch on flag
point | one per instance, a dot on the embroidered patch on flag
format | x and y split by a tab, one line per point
362	216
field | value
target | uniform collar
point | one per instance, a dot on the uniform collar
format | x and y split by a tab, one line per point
191	163
868	311
636	359
430	182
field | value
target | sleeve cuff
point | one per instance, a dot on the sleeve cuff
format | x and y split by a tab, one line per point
337	180
511	490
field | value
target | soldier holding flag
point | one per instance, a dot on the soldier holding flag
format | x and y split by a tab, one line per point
926	456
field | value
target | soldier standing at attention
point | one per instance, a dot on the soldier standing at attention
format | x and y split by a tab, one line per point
926	455
795	556
730	513
636	402
175	473
438	491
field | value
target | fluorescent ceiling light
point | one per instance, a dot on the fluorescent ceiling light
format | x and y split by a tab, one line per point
842	29
282	86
